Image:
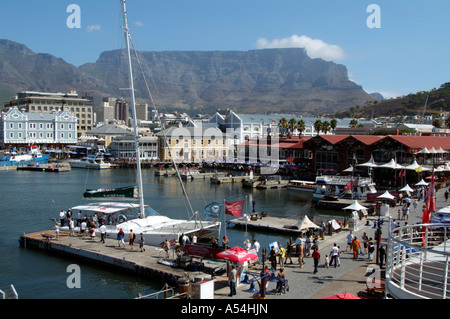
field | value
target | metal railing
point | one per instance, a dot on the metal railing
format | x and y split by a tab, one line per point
417	261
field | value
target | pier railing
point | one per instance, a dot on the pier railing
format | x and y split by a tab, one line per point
417	262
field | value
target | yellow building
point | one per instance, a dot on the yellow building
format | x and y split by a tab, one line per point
193	145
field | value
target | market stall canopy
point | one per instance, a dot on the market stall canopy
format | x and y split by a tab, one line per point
444	210
370	163
413	166
355	206
386	195
306	223
423	151
406	189
422	183
392	164
350	169
237	255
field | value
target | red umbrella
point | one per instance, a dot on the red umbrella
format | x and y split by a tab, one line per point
343	295
237	254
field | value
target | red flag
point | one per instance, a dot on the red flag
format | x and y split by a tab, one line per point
235	208
404	172
430	207
355	182
348	186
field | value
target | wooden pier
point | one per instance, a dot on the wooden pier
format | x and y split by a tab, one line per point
52	168
272	224
110	254
231	179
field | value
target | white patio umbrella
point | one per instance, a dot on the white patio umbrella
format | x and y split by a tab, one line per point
349	170
370	163
392	164
407	188
423	151
355	206
422	183
412	166
444	210
386	195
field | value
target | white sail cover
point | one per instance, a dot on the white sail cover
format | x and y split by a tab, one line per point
107	207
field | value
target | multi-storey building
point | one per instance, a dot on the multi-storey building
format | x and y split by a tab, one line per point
44	102
19	128
193	144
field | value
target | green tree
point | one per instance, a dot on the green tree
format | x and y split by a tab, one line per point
318	126
301	126
292	125
353	123
325	127
333	124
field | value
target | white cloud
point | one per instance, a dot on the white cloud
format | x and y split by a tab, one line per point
94	27
315	48
139	24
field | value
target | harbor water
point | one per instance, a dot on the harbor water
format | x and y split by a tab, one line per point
30	200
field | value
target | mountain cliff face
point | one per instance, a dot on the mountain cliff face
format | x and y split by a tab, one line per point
255	81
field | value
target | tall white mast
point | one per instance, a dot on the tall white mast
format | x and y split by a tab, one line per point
133	110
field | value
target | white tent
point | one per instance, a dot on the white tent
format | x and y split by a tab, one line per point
305	223
412	166
423	151
348	170
444	210
386	195
355	206
407	188
370	163
392	164
422	183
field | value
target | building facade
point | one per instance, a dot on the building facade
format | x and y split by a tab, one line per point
194	145
18	128
123	147
44	102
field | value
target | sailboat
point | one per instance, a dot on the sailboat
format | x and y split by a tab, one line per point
138	217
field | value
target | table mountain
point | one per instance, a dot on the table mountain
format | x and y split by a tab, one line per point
255	81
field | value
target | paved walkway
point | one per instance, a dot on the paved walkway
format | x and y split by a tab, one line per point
350	277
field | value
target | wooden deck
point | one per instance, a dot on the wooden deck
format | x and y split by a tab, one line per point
273	224
109	254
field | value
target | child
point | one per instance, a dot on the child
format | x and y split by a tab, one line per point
141	243
327	261
92	231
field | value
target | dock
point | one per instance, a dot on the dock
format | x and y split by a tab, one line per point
341	203
231	179
268	223
52	168
147	263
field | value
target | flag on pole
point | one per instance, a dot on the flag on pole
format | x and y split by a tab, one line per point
348	186
430	205
213	209
234	208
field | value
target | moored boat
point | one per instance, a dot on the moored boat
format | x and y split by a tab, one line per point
89	162
303	186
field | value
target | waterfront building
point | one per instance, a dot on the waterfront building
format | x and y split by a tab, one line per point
194	144
123	147
53	130
45	102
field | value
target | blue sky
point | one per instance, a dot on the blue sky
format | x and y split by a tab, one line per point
408	53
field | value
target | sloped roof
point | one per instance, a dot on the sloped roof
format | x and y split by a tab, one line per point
109	129
419	142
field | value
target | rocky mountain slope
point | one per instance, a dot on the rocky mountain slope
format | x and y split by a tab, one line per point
256	81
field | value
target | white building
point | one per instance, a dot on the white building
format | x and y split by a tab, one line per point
22	128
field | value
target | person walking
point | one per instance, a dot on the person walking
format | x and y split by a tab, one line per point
131	238
120	237
300	254
334	255
141	243
356	246
281	255
273	258
71	226
256	245
316	257
349	241
232	281
371	249
102	230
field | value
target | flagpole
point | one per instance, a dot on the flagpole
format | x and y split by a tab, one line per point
224	219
